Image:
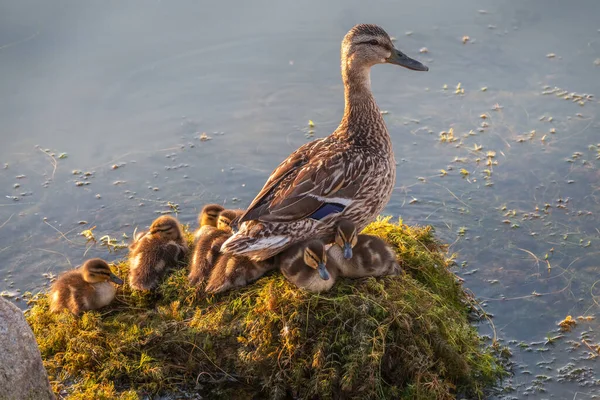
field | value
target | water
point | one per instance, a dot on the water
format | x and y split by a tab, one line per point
136	84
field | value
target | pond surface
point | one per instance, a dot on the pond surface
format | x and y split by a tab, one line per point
104	104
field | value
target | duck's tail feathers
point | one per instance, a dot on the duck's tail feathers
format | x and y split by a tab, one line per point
257	249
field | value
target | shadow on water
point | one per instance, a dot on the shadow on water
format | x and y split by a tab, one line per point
126	91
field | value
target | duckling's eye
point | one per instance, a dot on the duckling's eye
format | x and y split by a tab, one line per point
373	42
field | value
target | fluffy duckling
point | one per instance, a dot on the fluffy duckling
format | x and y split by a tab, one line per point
310	267
85	288
361	255
208	219
231	271
306	265
155	252
208	247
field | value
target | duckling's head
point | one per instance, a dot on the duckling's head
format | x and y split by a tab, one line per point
226	218
166	227
366	45
97	270
346	237
315	257
210	215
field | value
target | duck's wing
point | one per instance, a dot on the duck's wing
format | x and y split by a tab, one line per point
313	182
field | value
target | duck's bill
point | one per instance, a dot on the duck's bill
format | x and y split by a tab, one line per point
347	251
399	58
323	273
116	279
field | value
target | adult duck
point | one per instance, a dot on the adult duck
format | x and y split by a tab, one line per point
349	174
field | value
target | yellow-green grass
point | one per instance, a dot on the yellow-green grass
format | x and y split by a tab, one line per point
403	337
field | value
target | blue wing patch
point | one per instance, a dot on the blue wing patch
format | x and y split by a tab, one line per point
327	209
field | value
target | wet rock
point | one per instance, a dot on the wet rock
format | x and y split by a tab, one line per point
22	374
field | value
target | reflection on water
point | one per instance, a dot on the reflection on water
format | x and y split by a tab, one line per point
127	89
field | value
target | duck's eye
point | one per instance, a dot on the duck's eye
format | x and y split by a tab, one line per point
373	42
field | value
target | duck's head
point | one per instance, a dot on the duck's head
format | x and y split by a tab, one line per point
366	45
97	270
210	215
346	236
227	218
166	227
315	257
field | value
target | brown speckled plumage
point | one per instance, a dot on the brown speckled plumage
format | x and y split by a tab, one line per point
354	166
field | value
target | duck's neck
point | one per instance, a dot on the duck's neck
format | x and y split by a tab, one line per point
362	122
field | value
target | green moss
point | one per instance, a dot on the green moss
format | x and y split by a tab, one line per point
395	337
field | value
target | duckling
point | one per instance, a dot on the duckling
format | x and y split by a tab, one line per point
231	271
157	251
85	288
209	244
361	255
208	219
310	267
306	265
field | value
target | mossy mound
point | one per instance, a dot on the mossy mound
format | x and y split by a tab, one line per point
395	337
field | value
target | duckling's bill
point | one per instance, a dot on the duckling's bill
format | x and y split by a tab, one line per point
323	273
399	58
347	250
116	279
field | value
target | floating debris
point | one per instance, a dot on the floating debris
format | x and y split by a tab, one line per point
484	89
204	137
459	89
448	136
89	234
20	176
81	183
567	324
62	156
597	62
465	39
423	50
551	55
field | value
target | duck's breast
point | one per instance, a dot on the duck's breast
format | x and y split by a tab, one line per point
104	294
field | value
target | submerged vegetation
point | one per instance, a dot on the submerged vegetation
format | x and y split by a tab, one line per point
396	337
